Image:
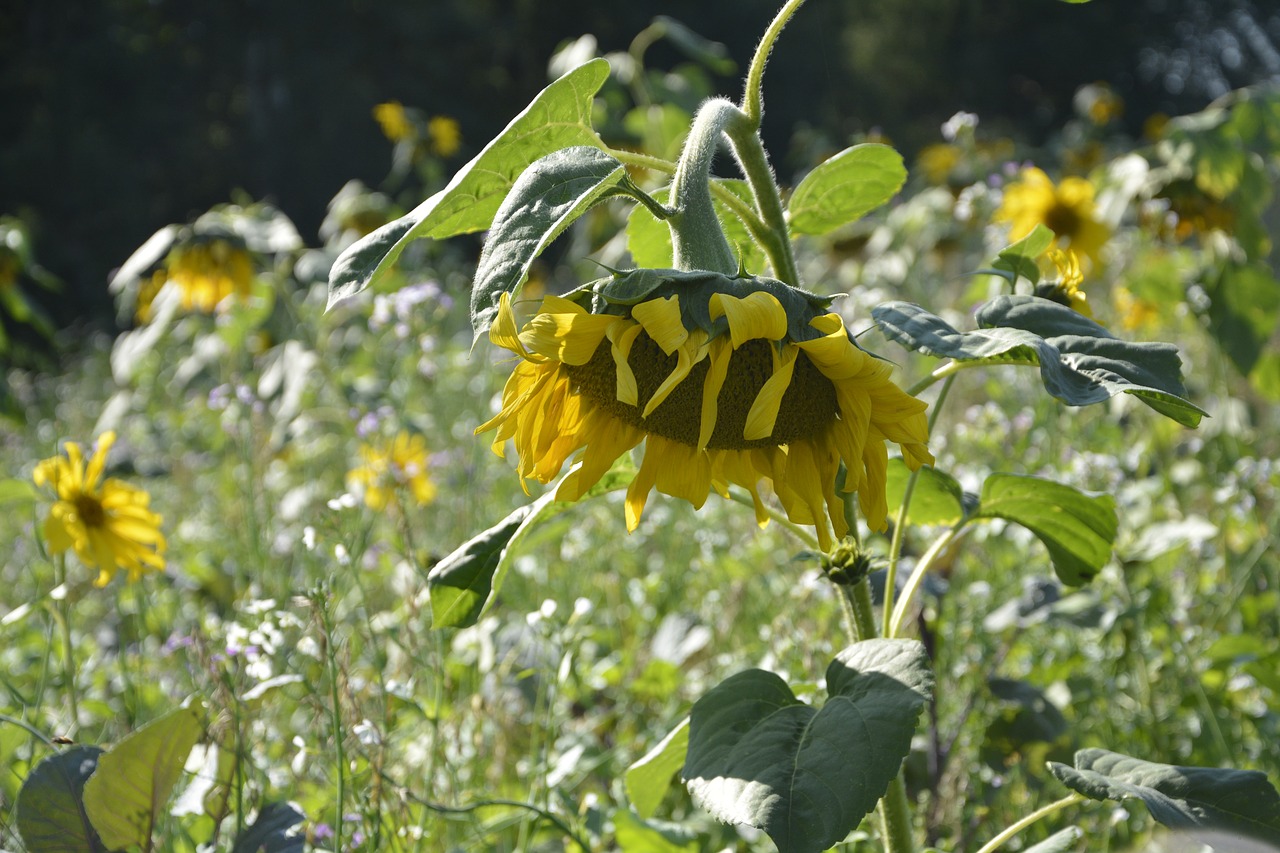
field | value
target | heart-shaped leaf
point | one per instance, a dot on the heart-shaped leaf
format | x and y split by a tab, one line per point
807	777
1077	529
547	197
1242	802
648	779
51	814
1080	362
845	187
127	793
559	117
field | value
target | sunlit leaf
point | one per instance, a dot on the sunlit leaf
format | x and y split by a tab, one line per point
846	187
127	793
1080	362
51	812
548	196
807	777
1242	802
648	779
1078	529
1020	259
936	499
637	835
559	117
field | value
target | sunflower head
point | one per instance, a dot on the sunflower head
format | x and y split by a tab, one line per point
206	270
1067	209
388	467
1066	289
725	379
107	523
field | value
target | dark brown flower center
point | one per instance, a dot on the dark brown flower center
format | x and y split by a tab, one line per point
90	510
1062	220
808	405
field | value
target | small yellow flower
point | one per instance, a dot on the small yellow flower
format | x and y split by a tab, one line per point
107	524
937	161
394	121
387	467
205	271
1066	290
724	385
1067	210
445	135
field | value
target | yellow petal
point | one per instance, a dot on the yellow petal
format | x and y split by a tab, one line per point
683	472
98	461
720	352
504	331
621	337
661	321
565	331
692	351
764	410
758	315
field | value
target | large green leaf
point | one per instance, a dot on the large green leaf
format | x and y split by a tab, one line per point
1244	312
275	830
807	777
1242	802
648	779
937	497
559	117
550	194
649	238
127	793
1080	362
1078	529
51	813
845	187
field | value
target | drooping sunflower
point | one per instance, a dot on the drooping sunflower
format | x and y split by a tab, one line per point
398	464
726	380
1067	209
205	271
108	524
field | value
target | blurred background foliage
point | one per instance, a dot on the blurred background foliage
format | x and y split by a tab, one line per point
124	115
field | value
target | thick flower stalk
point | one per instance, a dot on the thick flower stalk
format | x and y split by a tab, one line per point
726	380
108	524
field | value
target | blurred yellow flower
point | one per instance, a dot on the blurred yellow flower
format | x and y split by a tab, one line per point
1134	311
390	466
445	135
937	161
107	524
205	272
394	121
1066	290
1099	103
732	389
1067	210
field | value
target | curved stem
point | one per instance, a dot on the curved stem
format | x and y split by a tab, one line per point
754	161
752	95
995	843
942	372
697	240
917	577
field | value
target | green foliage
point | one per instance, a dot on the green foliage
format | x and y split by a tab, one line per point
649	238
1200	798
846	187
759	756
1067	839
273	831
1020	260
1244	314
559	117
648	779
51	811
936	497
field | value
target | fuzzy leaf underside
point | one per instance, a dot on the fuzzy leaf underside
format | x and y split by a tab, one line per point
559	117
1080	362
1240	802
806	776
547	197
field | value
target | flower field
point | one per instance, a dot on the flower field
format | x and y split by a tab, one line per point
392	538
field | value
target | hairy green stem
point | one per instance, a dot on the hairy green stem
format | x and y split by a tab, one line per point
995	843
754	161
697	240
752	95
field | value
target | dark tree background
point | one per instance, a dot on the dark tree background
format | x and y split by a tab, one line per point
120	116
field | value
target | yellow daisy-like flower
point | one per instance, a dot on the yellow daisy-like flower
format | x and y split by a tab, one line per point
107	524
394	120
1066	209
206	272
388	466
721	382
937	161
445	135
1066	290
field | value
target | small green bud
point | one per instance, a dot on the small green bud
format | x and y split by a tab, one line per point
847	564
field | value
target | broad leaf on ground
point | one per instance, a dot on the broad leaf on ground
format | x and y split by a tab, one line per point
127	793
559	117
1241	802
807	777
549	195
1081	363
845	187
51	814
1078	529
